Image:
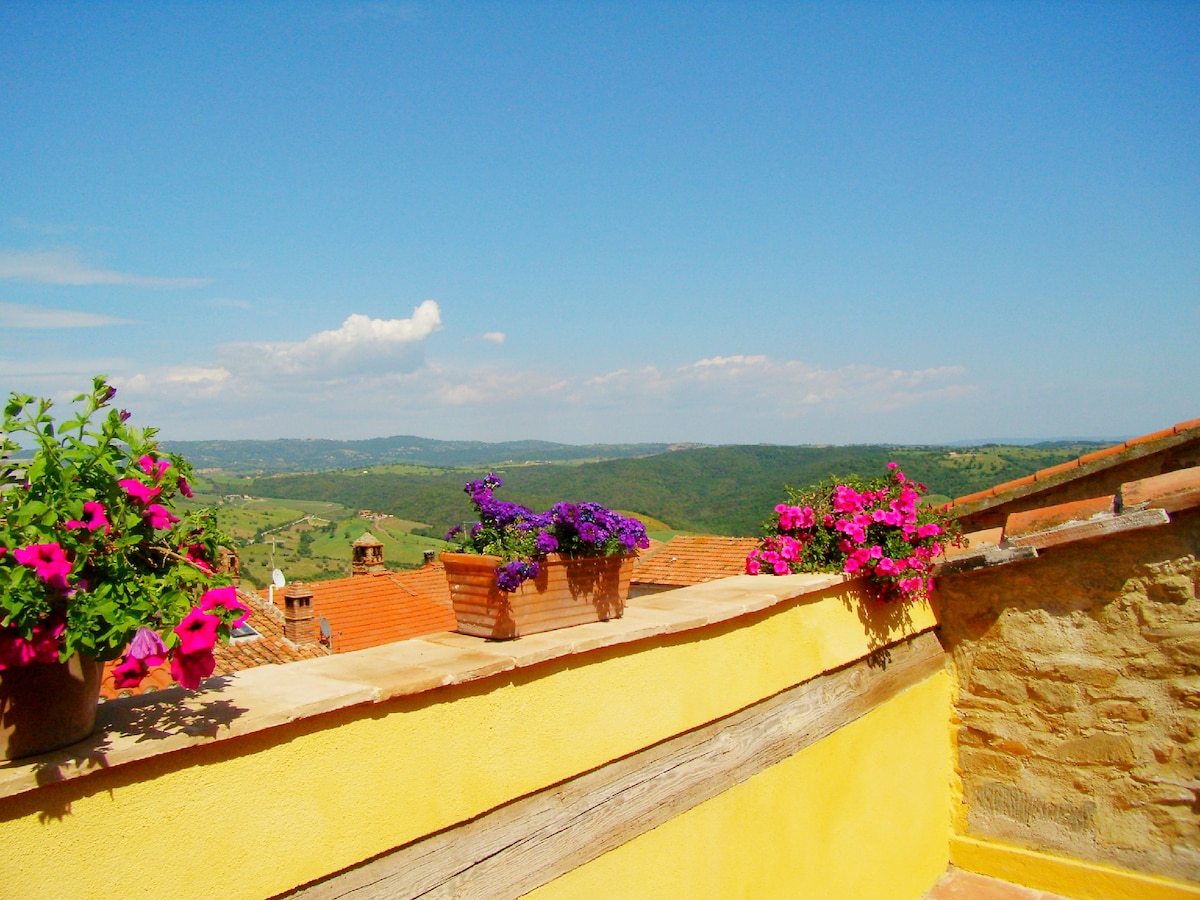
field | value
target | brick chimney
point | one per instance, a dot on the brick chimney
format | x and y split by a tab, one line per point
298	614
367	555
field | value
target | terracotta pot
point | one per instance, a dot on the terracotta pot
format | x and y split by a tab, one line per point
567	591
44	706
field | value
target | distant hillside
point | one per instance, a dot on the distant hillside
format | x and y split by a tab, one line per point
293	455
718	490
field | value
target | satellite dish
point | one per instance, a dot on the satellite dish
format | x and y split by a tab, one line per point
277	578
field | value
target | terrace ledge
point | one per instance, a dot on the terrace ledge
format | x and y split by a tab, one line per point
152	725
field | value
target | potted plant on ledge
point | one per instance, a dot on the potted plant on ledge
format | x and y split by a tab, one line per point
95	564
518	572
877	530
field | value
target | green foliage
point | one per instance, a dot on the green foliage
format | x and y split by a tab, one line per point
710	490
92	548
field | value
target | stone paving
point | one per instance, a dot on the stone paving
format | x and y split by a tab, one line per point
956	884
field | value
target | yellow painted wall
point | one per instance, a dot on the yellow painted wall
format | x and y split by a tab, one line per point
861	814
256	815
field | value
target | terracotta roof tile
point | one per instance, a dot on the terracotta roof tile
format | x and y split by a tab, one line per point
381	608
978	495
974	540
1154	436
1172	491
1050	471
693	559
1047	517
1013	485
1100	454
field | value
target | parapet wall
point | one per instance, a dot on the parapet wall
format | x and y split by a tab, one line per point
756	736
1078	698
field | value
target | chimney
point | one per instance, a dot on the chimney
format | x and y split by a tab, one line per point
366	555
430	556
298	614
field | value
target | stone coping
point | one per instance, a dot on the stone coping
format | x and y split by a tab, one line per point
137	728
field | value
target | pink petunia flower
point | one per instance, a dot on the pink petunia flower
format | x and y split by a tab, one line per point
153	468
159	516
225	598
94	518
48	560
129	673
197	631
142	493
184	487
147	647
189	669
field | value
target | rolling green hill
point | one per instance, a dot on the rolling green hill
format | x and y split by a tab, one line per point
718	490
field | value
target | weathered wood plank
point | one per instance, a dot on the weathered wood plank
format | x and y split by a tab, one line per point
528	842
1092	528
985	558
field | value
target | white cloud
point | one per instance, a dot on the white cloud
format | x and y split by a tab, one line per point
362	345
65	267
21	315
496	337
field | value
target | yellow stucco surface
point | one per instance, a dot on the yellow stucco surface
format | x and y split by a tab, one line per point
861	814
256	815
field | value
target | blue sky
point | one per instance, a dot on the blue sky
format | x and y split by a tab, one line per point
727	223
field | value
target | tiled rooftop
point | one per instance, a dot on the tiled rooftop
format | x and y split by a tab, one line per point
1089	462
371	610
1140	503
693	559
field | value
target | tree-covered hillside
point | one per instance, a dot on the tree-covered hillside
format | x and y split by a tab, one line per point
718	490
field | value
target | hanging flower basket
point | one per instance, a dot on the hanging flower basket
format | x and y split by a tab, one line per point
566	591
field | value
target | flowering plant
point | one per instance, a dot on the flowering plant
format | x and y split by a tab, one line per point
520	537
93	559
875	529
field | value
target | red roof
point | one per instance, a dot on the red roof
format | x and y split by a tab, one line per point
381	608
1091	475
693	559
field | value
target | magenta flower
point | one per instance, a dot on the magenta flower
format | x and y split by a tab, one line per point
197	631
189	669
94	518
147	647
184	487
14	649
195	555
129	673
154	469
159	516
48	560
140	492
225	598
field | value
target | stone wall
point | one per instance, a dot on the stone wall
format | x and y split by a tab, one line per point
1078	699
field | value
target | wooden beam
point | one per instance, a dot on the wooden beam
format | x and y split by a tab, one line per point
526	843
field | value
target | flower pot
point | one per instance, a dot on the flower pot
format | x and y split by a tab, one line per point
44	706
567	591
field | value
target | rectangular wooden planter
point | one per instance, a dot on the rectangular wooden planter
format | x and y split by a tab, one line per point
567	591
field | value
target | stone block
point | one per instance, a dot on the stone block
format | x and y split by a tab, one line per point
1055	696
1123	711
1171	589
1097	749
982	763
1002	685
